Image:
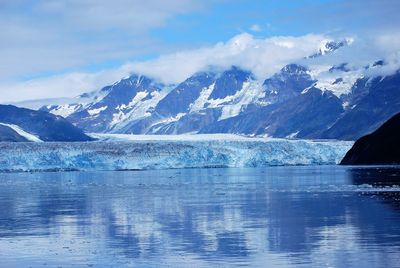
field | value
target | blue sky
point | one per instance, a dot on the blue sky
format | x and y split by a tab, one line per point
49	39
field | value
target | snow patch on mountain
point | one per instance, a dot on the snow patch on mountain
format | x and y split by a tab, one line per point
339	82
231	105
292	135
202	99
94	112
64	110
140	107
251	92
168	120
23	133
138	97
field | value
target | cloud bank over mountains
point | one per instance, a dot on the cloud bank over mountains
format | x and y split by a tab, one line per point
262	56
62	48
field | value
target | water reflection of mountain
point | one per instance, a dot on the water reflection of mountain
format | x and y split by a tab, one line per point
377	176
212	215
375	217
385	180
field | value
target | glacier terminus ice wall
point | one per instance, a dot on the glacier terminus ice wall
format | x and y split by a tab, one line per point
163	153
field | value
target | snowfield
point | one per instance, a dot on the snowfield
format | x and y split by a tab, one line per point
130	152
23	133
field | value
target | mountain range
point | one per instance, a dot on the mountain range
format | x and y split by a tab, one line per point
305	99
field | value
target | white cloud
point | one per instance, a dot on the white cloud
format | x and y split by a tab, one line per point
365	51
255	28
66	85
63	35
136	15
68	34
263	56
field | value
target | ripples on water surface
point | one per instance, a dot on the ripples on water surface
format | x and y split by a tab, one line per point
271	217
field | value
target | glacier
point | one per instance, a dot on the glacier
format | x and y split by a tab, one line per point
134	152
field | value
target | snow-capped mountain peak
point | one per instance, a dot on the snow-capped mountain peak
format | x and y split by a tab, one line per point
329	46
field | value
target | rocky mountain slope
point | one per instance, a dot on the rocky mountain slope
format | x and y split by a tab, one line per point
380	147
20	124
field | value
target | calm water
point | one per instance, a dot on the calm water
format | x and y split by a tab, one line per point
270	217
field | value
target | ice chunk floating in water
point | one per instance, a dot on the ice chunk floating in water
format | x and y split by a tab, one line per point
169	152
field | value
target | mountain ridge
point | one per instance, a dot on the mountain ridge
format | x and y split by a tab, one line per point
21	124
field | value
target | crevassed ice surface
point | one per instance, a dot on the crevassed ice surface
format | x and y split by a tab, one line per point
153	154
308	216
